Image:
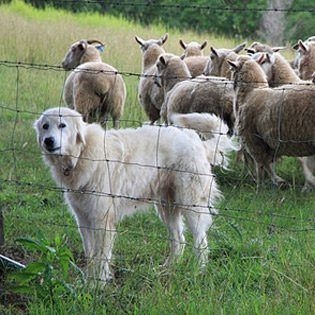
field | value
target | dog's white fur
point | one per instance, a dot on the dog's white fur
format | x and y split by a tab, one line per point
109	174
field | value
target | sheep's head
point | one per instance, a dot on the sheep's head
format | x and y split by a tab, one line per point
306	57
217	64
151	49
193	48
247	73
259	47
81	52
146	44
170	70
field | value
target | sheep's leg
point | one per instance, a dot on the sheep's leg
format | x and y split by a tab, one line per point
276	179
308	163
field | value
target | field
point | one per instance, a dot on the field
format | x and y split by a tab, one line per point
262	258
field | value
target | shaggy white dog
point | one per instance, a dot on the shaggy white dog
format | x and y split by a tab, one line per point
109	174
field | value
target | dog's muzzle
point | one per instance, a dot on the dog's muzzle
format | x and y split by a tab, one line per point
49	144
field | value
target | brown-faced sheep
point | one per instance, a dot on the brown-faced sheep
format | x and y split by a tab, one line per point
279	72
150	95
217	64
272	122
194	57
94	88
202	94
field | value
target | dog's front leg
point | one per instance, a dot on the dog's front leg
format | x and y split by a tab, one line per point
98	236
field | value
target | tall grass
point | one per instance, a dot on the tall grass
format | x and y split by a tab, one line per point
262	258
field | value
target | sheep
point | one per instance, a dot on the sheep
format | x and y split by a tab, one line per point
306	59
277	69
217	64
202	94
149	94
272	122
94	88
194	57
259	47
192	49
279	72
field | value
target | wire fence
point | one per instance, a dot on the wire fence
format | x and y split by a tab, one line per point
19	150
17	153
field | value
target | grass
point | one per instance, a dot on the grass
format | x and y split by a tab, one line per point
262	246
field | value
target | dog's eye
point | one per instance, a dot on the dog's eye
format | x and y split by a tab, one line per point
61	125
45	126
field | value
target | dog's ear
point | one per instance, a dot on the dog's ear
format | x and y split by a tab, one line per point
80	129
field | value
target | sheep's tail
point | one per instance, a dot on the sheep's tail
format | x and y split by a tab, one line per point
213	131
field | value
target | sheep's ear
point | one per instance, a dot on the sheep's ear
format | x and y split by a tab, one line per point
182	57
302	47
82	45
276	49
239	47
250	51
295	46
162	61
234	64
203	45
262	58
214	51
139	40
164	38
183	44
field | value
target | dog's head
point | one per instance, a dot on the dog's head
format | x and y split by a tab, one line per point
60	135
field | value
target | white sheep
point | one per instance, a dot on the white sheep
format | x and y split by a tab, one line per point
202	94
94	88
150	95
217	64
306	59
194	57
272	122
296	47
279	72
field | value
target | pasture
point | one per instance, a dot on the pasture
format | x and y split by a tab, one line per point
262	257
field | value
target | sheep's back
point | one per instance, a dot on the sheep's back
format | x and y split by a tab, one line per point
282	118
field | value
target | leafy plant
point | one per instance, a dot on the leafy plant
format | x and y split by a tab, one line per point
51	275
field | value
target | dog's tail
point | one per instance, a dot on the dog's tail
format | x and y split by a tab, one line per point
212	130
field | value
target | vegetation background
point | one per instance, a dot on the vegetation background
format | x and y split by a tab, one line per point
275	21
262	246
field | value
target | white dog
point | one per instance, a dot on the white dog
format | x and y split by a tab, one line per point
109	174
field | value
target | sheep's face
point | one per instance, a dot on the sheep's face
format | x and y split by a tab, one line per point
74	55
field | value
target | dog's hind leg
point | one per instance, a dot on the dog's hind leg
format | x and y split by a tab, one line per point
199	221
173	220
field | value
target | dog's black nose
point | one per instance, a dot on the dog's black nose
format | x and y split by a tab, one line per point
49	142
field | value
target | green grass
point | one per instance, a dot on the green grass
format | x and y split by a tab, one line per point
262	245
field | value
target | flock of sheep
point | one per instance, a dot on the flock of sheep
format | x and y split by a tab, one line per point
267	102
